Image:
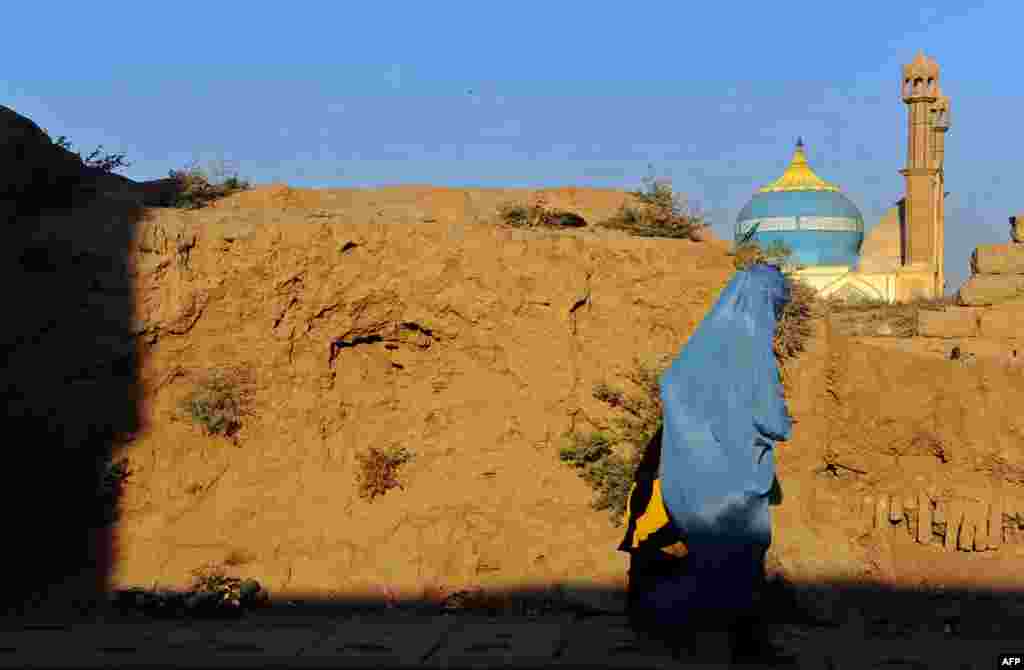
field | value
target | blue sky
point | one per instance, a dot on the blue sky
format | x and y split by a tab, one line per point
534	94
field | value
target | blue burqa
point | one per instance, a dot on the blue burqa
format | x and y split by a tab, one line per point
723	412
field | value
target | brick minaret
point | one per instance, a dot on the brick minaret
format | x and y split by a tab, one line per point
924	215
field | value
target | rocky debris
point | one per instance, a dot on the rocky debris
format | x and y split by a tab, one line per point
984	290
997	272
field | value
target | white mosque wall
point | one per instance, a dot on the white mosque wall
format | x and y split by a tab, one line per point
840	281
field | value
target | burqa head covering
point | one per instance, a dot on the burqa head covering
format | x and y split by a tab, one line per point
723	411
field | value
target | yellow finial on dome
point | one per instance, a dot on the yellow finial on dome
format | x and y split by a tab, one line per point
798	176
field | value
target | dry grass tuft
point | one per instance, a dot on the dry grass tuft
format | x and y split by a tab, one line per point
220	401
538	215
378	470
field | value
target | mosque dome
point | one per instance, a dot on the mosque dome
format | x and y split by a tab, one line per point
807	214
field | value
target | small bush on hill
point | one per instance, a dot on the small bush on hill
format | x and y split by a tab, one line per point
219	402
662	213
214	579
378	470
107	162
197	189
607	458
214	594
539	214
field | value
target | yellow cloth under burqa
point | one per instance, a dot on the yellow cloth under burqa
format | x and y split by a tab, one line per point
647	524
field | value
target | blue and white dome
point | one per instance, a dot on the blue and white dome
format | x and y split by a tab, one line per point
810	216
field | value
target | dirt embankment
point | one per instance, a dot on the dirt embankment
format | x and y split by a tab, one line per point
405	317
477	347
473	346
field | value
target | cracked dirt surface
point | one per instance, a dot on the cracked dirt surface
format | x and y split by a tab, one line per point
420	335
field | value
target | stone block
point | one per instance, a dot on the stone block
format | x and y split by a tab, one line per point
970	537
953	521
882	513
982	290
981	527
995	524
951	322
1001	323
998	259
924	519
896	509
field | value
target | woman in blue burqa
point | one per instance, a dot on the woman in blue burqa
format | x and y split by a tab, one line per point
698	518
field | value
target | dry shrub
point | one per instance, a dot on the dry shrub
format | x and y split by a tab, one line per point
662	213
378	470
196	189
213	588
220	401
212	578
607	458
106	162
794	327
749	253
538	215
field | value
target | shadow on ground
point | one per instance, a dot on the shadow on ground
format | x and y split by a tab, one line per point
806	626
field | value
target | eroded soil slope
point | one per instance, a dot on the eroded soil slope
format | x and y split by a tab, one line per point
473	346
405	317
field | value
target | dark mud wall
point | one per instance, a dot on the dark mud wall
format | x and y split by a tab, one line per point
68	382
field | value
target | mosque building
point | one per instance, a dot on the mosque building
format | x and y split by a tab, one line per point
901	258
